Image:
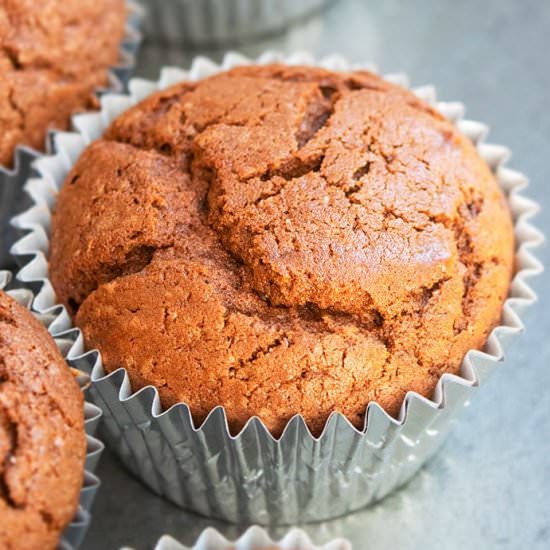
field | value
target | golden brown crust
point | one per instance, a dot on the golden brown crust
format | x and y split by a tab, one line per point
42	440
52	57
283	240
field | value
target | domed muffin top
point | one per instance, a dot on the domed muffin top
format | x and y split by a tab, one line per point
52	55
42	439
282	240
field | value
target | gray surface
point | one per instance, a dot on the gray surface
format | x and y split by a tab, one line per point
490	485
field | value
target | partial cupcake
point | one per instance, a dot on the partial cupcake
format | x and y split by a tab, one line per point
283	240
42	438
52	57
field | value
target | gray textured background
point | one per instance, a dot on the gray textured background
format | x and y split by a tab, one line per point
490	485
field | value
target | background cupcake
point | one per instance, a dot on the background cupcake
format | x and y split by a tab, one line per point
54	58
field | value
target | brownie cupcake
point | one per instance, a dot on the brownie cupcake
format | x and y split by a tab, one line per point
53	56
42	437
283	240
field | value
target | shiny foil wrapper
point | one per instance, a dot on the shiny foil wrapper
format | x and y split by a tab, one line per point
76	530
12	198
253	477
217	22
254	538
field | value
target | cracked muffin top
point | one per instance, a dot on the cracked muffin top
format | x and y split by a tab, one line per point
52	56
281	240
42	439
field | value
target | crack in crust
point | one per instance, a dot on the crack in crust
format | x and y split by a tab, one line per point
306	241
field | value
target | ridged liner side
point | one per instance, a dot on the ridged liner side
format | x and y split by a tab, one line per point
76	530
253	477
207	22
12	198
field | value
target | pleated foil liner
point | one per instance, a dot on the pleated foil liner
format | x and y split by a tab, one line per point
211	22
76	530
252	477
254	538
12	198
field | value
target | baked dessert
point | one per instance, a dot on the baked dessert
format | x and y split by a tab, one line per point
52	57
42	439
280	240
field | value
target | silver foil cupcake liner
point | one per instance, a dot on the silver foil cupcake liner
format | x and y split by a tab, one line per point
76	530
12	198
253	477
217	22
254	538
